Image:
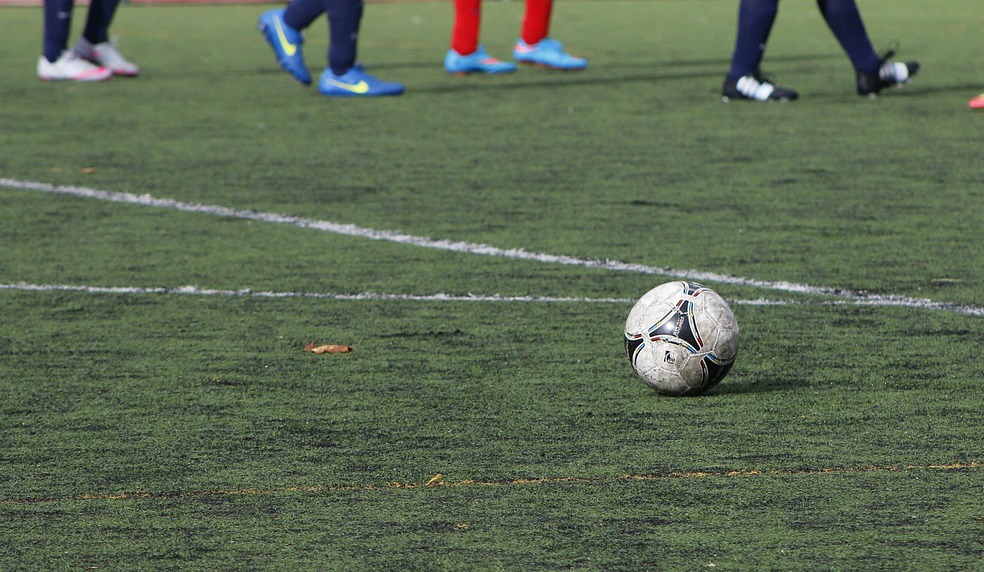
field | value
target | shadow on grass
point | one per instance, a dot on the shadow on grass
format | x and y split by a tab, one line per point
915	89
269	68
720	64
620	73
555	79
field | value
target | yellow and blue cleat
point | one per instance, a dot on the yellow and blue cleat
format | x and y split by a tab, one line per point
286	43
548	53
356	83
477	62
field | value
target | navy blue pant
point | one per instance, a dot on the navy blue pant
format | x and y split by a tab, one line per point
344	18
755	19
58	24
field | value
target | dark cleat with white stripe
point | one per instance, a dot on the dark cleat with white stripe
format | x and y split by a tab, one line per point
889	74
755	87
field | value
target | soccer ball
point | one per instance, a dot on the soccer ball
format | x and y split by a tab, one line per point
681	338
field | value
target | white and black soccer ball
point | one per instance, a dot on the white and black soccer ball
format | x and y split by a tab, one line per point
681	338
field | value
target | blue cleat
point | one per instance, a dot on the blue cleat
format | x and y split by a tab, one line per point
286	43
476	62
356	83
548	53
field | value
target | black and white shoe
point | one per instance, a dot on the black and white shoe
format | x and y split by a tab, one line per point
889	74
755	87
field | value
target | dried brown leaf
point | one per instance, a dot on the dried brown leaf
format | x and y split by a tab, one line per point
327	348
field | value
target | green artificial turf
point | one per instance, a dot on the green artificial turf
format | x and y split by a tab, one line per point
188	429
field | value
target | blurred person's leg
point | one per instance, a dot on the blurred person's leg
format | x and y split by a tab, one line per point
344	77
95	46
97	22
844	21
57	25
536	21
755	20
344	19
873	73
467	26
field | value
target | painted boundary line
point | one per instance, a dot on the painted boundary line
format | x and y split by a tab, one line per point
374	296
248	293
382	296
437	481
482	249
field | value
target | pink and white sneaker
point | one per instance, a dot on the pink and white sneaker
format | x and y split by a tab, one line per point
105	54
977	102
71	67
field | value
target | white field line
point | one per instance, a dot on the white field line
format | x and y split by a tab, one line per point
859	297
438	297
249	293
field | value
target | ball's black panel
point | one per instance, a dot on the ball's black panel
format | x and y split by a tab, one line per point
632	345
679	324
